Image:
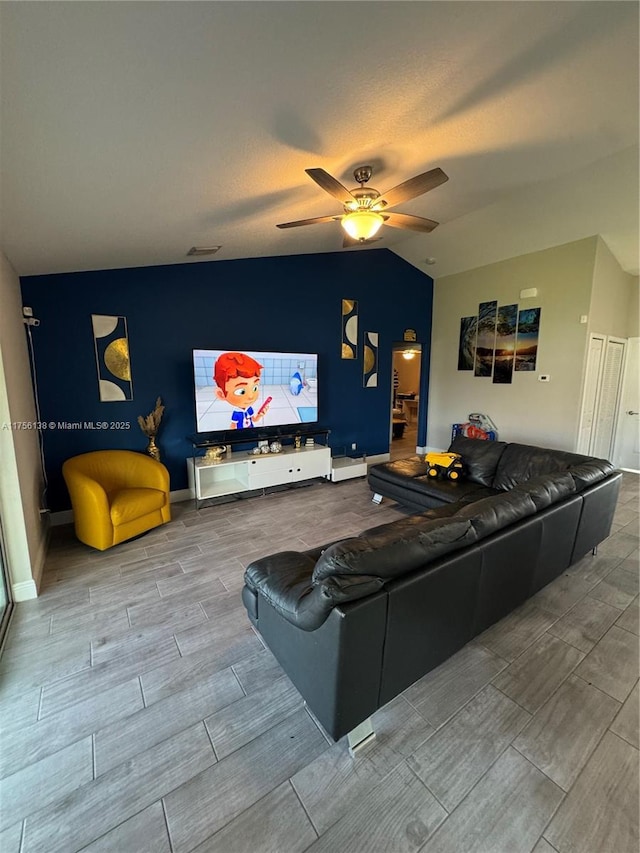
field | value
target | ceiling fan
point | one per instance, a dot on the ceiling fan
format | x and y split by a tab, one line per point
365	208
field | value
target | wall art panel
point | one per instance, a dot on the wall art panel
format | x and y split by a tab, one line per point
467	343
349	328
527	340
506	325
486	338
111	345
370	360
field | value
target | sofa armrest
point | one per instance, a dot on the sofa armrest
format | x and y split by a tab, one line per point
285	581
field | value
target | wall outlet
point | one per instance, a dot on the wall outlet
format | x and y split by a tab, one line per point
544	377
353	445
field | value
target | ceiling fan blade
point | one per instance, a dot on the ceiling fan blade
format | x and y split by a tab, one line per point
414	187
406	220
329	184
313	221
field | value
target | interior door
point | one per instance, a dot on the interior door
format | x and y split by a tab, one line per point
593	371
627	445
610	387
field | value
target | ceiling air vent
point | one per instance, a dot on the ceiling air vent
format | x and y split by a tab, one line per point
199	251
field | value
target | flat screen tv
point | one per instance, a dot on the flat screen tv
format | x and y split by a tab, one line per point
242	389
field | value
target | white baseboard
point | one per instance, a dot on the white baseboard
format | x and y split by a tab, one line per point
380	457
24	591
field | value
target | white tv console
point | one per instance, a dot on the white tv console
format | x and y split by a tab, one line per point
247	472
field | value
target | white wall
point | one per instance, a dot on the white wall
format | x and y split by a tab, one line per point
21	480
526	411
601	198
614	299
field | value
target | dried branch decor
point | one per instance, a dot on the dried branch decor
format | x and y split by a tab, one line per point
151	423
150	426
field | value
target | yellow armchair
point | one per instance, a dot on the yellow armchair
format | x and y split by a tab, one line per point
115	495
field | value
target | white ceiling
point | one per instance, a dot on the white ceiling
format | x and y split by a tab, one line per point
132	131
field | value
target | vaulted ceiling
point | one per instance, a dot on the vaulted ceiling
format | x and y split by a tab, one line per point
132	131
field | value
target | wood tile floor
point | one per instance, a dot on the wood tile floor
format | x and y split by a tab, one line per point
141	713
406	446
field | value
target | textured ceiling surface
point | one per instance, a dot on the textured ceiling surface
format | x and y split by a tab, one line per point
132	131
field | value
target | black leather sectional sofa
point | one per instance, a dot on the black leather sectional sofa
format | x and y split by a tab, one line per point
357	621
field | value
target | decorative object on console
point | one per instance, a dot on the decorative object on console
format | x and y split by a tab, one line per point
275	447
370	360
215	454
111	346
297	442
349	328
150	426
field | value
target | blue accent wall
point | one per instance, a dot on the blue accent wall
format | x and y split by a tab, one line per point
285	303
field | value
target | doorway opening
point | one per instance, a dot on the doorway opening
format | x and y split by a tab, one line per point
405	400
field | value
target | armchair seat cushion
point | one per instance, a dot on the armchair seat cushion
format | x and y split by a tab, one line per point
129	504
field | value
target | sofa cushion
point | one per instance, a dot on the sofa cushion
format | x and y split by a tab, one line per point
480	457
401	470
547	489
522	462
400	548
494	513
445	491
130	504
586	471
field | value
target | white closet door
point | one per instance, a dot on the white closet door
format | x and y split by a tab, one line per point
627	443
590	395
608	396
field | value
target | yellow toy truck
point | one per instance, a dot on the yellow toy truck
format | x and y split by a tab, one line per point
447	465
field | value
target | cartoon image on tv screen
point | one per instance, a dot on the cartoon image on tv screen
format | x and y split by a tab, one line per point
241	390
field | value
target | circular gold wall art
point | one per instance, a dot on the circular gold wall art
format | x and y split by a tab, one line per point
347	306
369	359
116	358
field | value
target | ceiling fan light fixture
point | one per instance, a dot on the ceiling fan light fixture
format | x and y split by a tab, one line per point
362	224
